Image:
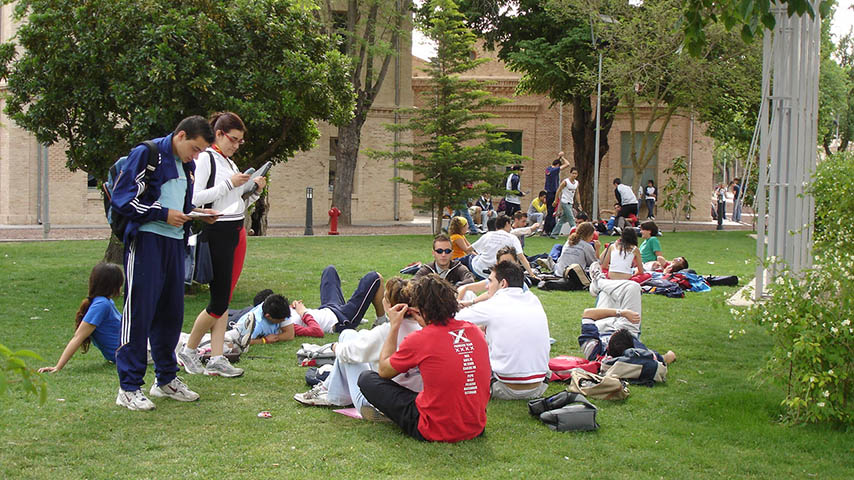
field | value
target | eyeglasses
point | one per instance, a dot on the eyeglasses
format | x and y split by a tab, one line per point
443	250
238	141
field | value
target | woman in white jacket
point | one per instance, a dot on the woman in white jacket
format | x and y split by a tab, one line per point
359	350
220	185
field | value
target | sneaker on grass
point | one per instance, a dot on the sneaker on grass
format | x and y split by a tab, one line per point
371	414
134	400
246	335
596	274
176	390
191	361
316	397
221	367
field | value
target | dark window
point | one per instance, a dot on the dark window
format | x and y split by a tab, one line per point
515	143
627	171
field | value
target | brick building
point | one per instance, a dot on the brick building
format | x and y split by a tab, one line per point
537	130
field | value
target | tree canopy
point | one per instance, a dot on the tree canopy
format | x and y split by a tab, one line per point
103	75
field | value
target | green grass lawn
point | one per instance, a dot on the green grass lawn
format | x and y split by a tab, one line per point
714	418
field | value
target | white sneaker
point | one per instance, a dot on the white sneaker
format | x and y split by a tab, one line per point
221	367
176	390
135	400
246	335
191	362
316	397
596	274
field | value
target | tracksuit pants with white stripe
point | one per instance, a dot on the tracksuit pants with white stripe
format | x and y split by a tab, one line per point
153	310
349	312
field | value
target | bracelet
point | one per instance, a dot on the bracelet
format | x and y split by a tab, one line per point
263	340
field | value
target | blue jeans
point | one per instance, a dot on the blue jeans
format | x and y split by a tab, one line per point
343	382
349	312
650	207
566	217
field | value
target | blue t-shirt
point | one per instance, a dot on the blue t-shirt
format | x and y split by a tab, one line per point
172	195
107	320
263	327
552	179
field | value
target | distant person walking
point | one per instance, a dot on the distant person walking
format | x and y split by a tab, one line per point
568	192
552	182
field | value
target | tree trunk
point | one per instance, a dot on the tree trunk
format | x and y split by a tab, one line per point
115	252
259	217
584	143
349	139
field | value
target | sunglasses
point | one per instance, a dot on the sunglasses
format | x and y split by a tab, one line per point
443	250
235	139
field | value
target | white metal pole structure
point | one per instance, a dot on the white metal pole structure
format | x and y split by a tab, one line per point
788	139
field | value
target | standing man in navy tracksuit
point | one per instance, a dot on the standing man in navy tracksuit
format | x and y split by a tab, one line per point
157	206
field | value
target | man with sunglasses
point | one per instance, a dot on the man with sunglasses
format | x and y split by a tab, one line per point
451	270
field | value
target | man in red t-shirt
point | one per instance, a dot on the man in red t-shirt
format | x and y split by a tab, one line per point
453	358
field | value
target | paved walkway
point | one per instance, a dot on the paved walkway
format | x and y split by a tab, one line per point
418	226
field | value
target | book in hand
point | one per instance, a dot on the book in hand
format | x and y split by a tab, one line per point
195	214
251	186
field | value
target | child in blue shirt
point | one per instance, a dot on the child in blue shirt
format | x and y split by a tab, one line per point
98	321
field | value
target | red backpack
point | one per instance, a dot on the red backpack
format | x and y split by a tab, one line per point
561	367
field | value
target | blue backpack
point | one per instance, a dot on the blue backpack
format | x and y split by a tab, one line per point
118	222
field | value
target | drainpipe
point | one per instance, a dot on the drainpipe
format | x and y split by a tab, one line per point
45	190
690	156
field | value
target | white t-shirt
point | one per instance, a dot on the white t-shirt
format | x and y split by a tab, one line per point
488	245
517	332
622	261
627	196
568	193
650	192
324	317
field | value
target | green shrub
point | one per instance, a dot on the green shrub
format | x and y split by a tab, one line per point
810	315
14	370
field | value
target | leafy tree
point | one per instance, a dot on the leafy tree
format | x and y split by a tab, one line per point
103	75
654	78
833	88
459	148
751	16
555	53
368	33
678	196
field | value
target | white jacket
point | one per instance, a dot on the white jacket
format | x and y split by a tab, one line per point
226	198
366	347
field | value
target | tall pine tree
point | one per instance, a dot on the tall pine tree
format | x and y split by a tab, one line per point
457	153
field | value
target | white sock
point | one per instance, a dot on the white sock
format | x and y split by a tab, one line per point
216	358
188	351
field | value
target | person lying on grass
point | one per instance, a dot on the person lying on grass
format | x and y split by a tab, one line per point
453	359
359	350
97	321
618	307
276	321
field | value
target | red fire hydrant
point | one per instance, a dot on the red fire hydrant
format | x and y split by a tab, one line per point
334	213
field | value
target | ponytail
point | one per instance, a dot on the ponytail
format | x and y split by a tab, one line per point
574	238
78	318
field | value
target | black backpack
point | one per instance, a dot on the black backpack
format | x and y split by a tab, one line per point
118	222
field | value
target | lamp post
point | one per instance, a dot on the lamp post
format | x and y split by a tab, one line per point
595	212
309	194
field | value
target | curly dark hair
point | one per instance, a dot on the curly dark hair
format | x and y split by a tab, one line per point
435	298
